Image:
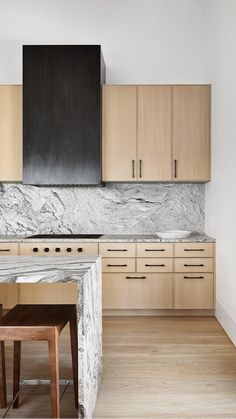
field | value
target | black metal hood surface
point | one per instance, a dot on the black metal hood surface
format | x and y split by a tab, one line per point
62	101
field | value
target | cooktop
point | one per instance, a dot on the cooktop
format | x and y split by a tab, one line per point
64	236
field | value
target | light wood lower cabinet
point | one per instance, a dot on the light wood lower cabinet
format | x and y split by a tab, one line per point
118	265
193	264
154	250
154	265
193	291
137	291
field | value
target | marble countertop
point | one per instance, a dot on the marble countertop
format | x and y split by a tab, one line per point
43	269
146	238
86	272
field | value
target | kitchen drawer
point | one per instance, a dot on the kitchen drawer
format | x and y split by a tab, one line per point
8	249
137	291
58	249
118	265
193	264
155	265
149	250
193	291
188	250
120	250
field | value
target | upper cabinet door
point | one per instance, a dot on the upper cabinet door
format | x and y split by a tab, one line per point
154	133
191	133
119	133
10	133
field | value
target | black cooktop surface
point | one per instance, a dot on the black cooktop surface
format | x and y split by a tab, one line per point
64	236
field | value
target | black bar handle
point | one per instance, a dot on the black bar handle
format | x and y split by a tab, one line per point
200	264
136	277
117	250
155	250
116	265
175	168
133	172
140	168
5	250
194	250
194	277
162	264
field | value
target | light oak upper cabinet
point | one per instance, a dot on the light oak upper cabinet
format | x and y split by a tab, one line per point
191	133
154	133
119	133
10	133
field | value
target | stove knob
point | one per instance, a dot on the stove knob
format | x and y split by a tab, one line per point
46	249
57	249
69	249
80	249
35	249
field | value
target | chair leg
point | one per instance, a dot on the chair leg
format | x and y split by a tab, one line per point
54	373
74	353
16	372
3	389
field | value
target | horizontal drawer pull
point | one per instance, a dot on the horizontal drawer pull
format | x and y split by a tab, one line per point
194	250
155	250
136	277
117	250
161	264
199	264
117	265
194	277
5	250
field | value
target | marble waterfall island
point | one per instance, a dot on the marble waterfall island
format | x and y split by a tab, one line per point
86	272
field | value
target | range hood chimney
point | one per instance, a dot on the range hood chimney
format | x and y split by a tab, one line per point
62	101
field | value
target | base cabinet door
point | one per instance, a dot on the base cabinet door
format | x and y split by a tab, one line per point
193	291
137	291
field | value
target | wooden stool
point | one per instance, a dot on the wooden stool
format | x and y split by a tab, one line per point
38	322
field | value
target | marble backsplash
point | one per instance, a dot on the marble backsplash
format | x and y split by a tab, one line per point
109	209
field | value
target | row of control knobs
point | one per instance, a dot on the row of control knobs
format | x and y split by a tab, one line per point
57	249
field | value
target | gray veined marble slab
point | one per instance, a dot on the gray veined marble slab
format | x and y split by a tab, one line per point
86	271
110	209
106	238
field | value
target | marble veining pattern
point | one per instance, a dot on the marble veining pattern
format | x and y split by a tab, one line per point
86	271
109	209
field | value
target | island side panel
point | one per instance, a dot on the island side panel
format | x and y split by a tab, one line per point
90	339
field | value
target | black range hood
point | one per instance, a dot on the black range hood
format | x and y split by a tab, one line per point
62	109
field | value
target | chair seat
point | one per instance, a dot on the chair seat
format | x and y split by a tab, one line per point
37	315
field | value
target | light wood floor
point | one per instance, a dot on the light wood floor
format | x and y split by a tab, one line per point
167	368
153	367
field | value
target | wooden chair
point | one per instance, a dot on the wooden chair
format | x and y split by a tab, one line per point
38	322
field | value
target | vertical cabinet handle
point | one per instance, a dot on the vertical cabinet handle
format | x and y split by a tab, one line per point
175	168
133	172
140	168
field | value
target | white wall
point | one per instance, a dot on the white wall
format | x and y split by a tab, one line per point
144	41
221	192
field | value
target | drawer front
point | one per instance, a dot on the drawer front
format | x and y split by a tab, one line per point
188	250
58	249
137	291
193	291
154	250
155	265
193	264
118	265
8	249
122	250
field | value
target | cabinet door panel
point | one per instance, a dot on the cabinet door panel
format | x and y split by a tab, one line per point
191	133
118	265
153	250
193	291
137	291
193	264
11	133
188	250
154	133
119	133
155	265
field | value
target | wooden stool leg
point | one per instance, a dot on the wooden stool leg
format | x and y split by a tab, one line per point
74	353
3	389
16	372
54	373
